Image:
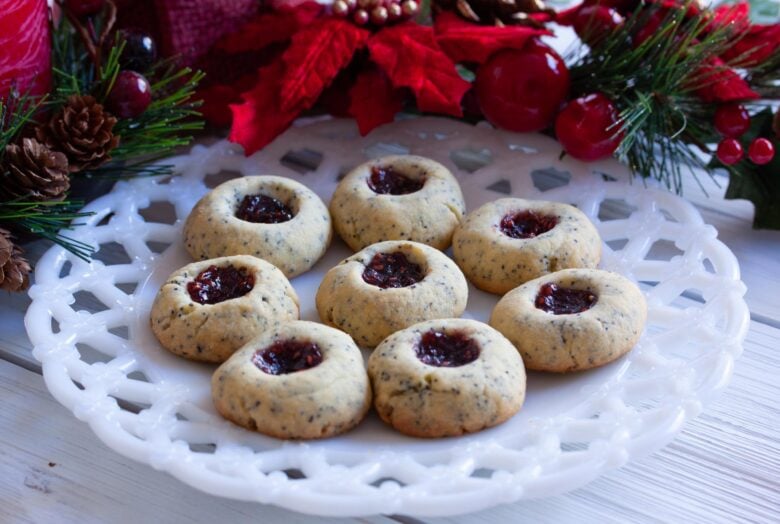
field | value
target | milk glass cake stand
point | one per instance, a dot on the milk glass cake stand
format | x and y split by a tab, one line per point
104	364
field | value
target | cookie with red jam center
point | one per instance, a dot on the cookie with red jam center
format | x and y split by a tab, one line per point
446	377
270	217
206	310
390	286
402	197
573	319
511	241
299	380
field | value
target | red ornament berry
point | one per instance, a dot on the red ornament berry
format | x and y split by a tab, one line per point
82	8
586	127
520	90
594	23
761	151
732	120
730	151
130	96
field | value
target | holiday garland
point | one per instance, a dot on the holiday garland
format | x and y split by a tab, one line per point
661	84
112	109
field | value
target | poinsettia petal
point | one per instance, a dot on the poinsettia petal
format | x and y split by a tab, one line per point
373	100
315	56
269	28
722	84
724	15
410	56
754	46
260	118
467	42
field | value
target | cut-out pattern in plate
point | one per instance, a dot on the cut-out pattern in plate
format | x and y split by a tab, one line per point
89	323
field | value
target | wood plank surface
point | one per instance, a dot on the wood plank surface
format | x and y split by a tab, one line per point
54	470
724	467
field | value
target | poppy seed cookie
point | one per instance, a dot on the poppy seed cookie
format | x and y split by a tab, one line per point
402	197
300	380
446	377
510	241
573	319
206	310
273	218
390	286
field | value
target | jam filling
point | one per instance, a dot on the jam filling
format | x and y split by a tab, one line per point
217	284
388	181
262	209
392	270
287	356
527	224
563	300
447	350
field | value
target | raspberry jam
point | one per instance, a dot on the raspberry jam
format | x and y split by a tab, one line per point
392	270
262	209
287	356
527	224
448	350
563	300
388	181
217	284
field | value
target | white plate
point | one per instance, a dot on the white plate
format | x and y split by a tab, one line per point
105	365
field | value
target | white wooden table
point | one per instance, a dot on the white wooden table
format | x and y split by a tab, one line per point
723	467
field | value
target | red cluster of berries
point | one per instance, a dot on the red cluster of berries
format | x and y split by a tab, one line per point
732	121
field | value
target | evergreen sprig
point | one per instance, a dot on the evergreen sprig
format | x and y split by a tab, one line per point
47	220
654	84
168	122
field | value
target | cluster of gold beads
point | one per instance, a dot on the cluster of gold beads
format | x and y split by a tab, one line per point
375	12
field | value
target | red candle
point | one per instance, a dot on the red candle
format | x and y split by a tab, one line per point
25	47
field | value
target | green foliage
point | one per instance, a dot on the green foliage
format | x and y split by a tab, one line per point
167	123
47	220
662	120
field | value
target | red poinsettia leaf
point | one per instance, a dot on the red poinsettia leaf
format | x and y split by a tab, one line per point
722	84
754	46
467	42
269	28
738	15
410	56
315	56
373	100
260	118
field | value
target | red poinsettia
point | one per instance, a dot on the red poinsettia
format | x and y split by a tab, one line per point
302	51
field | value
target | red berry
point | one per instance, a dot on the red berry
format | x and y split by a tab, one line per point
593	23
586	127
520	90
730	151
130	96
761	151
82	8
732	120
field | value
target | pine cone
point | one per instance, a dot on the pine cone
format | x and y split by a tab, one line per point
32	171
83	130
14	269
496	12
